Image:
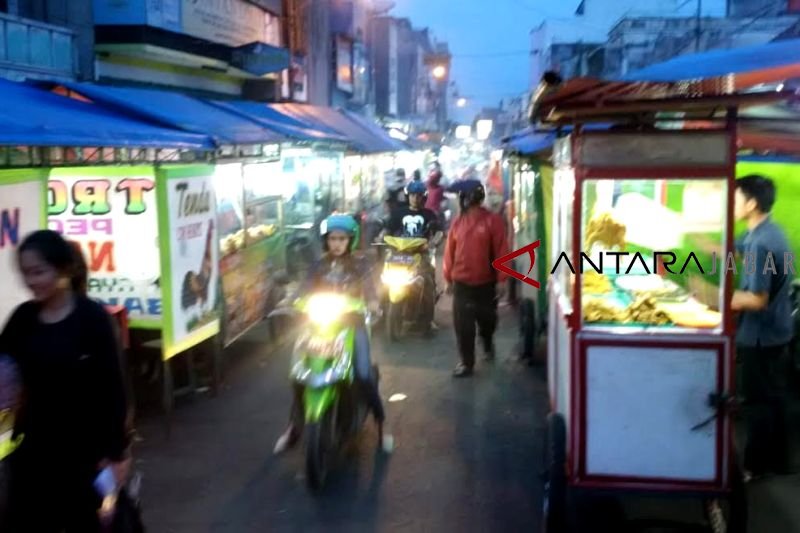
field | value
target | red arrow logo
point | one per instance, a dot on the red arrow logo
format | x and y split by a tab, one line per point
500	263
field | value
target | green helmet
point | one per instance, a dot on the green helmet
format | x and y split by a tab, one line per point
344	223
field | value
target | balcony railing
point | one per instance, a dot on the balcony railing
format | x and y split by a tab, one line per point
37	47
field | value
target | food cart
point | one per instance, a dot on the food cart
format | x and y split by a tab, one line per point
640	331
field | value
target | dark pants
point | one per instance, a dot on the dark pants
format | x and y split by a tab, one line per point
764	372
50	497
428	297
471	305
365	383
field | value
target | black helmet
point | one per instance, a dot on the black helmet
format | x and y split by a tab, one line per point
470	192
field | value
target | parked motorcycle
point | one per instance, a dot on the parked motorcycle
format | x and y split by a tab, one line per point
323	365
405	278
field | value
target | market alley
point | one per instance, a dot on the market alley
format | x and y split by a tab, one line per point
468	452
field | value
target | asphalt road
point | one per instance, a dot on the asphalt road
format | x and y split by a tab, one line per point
468	456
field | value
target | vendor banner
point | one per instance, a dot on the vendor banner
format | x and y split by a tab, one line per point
247	284
190	258
22	209
111	214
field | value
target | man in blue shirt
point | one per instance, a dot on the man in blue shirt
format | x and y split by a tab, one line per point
765	326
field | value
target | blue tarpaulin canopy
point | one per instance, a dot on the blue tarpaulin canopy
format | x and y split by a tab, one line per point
695	85
178	110
528	141
34	117
363	139
274	120
770	62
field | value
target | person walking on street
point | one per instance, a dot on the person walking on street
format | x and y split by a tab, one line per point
765	327
476	238
72	419
395	192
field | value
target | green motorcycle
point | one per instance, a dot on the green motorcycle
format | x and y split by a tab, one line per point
323	365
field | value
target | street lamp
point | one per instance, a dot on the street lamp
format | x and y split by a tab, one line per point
461	102
439	72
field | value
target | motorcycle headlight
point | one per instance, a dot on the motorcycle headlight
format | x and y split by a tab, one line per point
395	277
326	308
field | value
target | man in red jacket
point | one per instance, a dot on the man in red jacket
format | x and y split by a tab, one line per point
477	237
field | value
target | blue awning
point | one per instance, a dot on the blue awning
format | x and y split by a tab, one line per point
362	139
530	141
276	121
35	117
180	111
376	130
717	63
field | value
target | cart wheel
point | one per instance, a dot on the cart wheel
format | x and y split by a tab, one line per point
730	516
527	330
554	508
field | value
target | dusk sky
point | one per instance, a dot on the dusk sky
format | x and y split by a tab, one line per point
489	40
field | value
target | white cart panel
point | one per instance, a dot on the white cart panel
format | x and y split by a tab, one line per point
641	405
552	346
563	369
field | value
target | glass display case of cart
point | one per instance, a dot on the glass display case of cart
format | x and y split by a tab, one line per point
653	253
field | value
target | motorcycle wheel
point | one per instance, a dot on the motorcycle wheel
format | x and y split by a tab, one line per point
320	444
394	320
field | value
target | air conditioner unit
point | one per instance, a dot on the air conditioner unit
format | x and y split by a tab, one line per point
261	89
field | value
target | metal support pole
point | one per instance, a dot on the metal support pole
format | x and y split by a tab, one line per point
698	22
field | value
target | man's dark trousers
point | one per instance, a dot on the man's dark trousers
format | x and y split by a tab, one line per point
763	379
471	305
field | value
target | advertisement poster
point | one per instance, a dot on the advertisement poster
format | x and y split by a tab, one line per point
230	22
21	212
246	284
188	235
111	214
250	240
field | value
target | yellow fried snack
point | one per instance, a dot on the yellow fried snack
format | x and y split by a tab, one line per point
594	283
644	310
603	229
596	310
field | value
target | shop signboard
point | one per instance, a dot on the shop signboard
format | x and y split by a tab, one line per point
22	210
230	22
111	213
187	229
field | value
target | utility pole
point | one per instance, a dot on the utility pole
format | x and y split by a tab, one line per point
697	30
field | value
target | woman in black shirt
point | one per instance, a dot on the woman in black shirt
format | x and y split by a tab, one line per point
73	412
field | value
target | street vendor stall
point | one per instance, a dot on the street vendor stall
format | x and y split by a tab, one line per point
640	332
530	176
214	237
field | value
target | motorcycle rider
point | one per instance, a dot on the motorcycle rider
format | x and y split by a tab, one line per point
340	270
435	199
417	221
395	192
